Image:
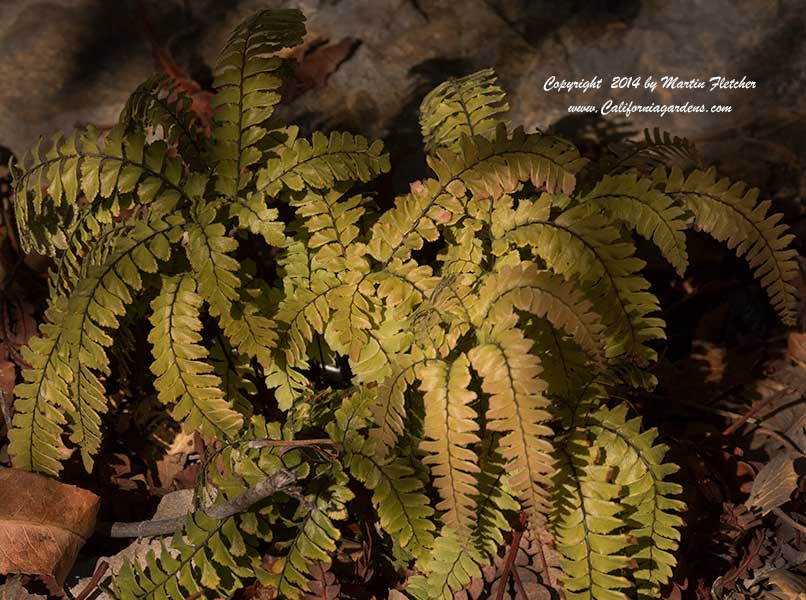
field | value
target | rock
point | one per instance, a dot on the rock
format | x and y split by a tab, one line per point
70	62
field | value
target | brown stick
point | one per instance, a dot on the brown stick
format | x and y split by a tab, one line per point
267	442
517	534
94	581
278	482
755	409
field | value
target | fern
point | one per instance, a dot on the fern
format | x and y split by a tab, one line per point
480	378
729	212
183	378
464	106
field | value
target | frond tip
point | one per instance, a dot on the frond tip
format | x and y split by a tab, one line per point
465	106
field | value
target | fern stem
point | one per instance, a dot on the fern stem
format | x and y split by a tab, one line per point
517	534
278	482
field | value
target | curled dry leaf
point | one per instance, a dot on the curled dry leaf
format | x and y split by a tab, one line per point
774	484
13	589
43	524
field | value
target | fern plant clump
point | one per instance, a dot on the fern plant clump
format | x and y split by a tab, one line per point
484	380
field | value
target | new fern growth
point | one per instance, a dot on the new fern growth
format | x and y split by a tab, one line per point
494	363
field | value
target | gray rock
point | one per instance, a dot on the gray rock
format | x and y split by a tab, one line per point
69	62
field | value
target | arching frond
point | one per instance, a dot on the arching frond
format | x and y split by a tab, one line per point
543	294
517	409
468	105
247	87
185	378
450	430
585	247
730	213
102	168
321	163
652	214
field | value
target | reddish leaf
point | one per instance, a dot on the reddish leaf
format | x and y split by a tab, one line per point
43	524
323	584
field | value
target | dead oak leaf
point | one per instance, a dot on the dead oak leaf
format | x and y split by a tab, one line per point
43	524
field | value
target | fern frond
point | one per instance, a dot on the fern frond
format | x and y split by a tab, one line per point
321	163
331	224
450	430
247	86
452	564
42	399
208	251
657	147
585	247
241	319
730	213
640	206
585	521
159	103
103	169
184	378
206	554
404	511
467	105
650	510
510	376
96	306
543	294
315	540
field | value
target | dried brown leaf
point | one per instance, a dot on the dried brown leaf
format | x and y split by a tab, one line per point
796	347
774	484
43	524
323	584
